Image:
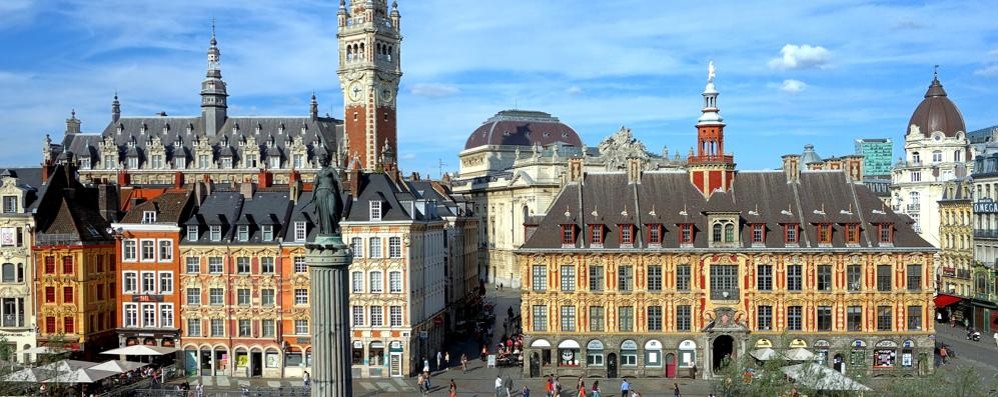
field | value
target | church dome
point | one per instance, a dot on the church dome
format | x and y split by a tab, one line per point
937	113
522	128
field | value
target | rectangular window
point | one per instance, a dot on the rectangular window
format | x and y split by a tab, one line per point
395	316
49	265
215	264
596	234
852	233
267	265
192	233
50	325
794	317
625	278
242	233
301	296
539	278
885	233
243	296
301	327
374	247
357	282
377	283
215	296
596	278
300	231
395	282
764	277
684	318
540	316
654	318
914	277
824	318
268	328
267	297
686	233
130	282
217	327
375	210
9	204
568	278
683	277
244	327
884	278
358	316
795	279
568	318
626	235
377	316
764	318
267	232
194	296
243	265
884	318
394	247
357	246
757	233
625	317
215	232
128	250
148	315
854	318
166	315
790	233
914	318
193	265
67	265
300	265
824	277
596	320
194	327
67	294
724	282
824	233
165	250
654	278
854	278
654	234
165	283
148	282
567	234
68	325
131	314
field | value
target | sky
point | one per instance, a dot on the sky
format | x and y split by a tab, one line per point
790	73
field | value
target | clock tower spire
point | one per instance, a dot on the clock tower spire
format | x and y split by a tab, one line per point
710	169
369	70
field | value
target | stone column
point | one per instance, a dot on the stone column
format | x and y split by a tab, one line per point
329	264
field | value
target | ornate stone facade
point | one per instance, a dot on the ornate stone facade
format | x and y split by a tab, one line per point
17	304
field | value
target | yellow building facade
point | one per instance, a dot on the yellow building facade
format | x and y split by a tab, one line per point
956	239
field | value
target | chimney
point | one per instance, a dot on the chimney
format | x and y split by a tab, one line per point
265	179
246	189
200	192
633	170
574	169
854	168
294	185
178	179
791	167
353	182
123	178
107	201
46	171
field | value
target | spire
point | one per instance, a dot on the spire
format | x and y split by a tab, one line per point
213	90
313	108
214	70
115	109
710	111
936	88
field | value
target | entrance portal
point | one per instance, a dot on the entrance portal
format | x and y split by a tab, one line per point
670	365
611	365
723	348
256	364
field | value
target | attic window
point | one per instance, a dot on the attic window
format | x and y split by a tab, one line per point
9	204
375	210
268	232
852	233
626	235
300	231
824	233
886	233
148	216
596	234
686	233
790	233
654	234
758	233
243	233
192	233
567	234
216	233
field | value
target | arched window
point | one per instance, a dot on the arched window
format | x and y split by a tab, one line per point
729	233
717	232
915	157
9	273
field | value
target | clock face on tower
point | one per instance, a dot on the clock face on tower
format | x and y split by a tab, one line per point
354	91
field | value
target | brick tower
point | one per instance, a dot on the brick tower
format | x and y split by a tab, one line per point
710	169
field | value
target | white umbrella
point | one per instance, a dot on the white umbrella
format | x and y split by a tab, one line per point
82	375
29	375
764	354
44	350
820	377
799	354
141	350
118	366
67	366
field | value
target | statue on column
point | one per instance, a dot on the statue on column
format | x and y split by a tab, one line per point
327	198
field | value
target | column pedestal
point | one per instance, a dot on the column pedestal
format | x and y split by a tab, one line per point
329	260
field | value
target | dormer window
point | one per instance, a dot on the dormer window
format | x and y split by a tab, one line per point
375	210
824	233
275	162
686	234
626	235
852	233
192	233
790	233
85	163
654	234
242	233
722	231
268	232
226	162
596	234
300	231
758	234
133	163
567	235
9	204
886	233
148	216
299	161
215	232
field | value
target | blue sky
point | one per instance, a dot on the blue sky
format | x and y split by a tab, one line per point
790	73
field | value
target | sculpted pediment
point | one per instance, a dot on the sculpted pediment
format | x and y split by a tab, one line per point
617	148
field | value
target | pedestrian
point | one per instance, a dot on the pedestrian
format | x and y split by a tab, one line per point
421	383
557	387
625	388
675	389
485	352
525	392
943	354
595	389
446	361
426	365
306	379
199	389
440	359
428	383
996	337
453	388
500	286
693	370
549	387
464	362
498	386
509	386
582	388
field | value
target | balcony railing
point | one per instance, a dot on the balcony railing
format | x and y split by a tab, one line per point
724	294
12	320
985	233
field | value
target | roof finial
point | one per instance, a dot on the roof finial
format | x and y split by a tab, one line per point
213	30
711	71
935	72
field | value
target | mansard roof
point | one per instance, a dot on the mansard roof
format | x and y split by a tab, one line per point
764	197
170	208
68	212
228	209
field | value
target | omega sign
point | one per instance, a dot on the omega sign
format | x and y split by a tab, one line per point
986	207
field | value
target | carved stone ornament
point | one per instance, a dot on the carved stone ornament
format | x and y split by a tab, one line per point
617	148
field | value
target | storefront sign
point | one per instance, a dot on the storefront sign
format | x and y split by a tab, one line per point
821	343
887	343
358	344
908	344
884	358
8	236
986	207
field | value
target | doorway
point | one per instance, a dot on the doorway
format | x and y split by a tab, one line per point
256	364
838	364
535	365
611	365
670	365
723	347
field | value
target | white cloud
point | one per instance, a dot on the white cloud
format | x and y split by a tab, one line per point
433	90
802	56
793	86
990	70
573	90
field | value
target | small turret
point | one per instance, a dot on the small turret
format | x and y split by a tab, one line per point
72	124
313	108
213	92
115	109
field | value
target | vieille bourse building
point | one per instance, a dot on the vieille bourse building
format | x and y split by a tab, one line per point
650	273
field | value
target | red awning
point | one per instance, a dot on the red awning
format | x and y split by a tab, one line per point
943	300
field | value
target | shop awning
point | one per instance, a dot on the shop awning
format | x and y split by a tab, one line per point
943	300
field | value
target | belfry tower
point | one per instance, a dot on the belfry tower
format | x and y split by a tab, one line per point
710	169
369	70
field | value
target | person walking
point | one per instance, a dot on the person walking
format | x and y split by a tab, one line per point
440	359
557	387
421	383
996	337
498	386
675	390
464	362
582	388
446	361
306	380
426	365
525	391
453	388
943	354
595	389
549	387
625	388
199	389
509	386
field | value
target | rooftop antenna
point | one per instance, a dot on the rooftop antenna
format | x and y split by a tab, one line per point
440	167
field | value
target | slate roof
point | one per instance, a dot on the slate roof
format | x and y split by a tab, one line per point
229	209
170	207
29	179
522	128
668	198
68	212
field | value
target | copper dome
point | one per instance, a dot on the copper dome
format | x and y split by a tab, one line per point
522	128
937	113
